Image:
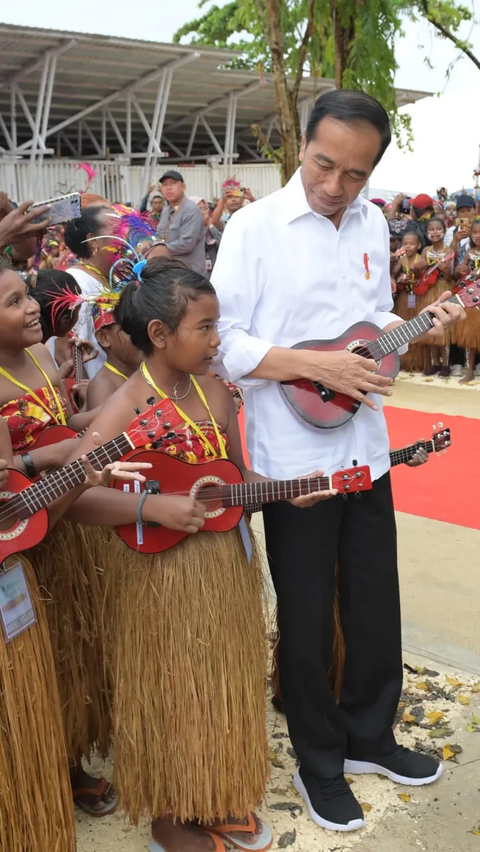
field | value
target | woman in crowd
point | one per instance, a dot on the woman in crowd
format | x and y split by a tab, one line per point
434	269
468	332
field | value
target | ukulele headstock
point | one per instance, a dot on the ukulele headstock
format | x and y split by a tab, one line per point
352	480
153	424
441	438
469	294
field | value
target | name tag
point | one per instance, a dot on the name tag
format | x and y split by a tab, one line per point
16	607
247	541
411	300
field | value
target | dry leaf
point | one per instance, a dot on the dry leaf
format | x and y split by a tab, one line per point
448	753
366	808
272	754
349	780
422	685
476	686
463	699
434	716
453	681
439	733
407	717
405	797
475	831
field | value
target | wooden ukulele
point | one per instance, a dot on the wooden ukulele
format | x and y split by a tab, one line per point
79	375
430	276
23	514
220	485
327	409
437	444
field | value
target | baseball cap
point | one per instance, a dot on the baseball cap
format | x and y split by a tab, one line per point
422	201
173	175
378	201
465	201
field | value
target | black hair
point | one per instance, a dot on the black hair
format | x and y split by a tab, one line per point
408	232
438	221
166	287
352	107
77	230
52	282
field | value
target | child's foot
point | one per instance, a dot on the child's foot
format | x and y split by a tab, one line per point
430	371
468	377
444	372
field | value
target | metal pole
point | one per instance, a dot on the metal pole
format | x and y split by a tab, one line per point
129	124
192	135
104	132
48	102
38	115
13	117
156	113
145	123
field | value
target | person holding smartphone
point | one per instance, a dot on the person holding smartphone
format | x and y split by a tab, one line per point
458	236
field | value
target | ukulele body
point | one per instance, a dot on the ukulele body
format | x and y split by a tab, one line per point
52	435
18	535
328	411
174	476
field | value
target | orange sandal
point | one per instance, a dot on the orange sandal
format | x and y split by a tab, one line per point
263	842
154	846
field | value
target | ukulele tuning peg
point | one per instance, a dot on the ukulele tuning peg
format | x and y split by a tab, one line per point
151	400
150	434
440	425
354	462
136	410
357	495
156	445
143	422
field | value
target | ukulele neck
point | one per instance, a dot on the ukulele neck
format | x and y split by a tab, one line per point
406	454
40	494
405	333
267	491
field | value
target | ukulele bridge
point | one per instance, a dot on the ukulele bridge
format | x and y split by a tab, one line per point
356	345
199	485
20	526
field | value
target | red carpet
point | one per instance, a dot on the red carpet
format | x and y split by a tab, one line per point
445	488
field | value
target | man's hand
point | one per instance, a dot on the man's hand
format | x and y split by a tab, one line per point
347	373
247	193
174	512
420	457
87	349
445	314
18	225
308	500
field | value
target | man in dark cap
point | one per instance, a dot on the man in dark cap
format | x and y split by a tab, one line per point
458	236
181	223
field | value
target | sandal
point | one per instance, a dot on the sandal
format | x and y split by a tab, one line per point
98	791
261	844
153	846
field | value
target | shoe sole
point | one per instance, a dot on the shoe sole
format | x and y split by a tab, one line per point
353	825
361	767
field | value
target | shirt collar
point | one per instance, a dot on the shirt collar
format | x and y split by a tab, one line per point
296	203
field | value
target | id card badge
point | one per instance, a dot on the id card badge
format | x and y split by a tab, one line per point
16	607
411	300
246	540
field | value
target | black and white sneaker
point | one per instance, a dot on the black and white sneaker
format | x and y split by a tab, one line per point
330	802
402	766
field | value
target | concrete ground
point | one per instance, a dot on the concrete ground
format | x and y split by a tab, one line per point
441	608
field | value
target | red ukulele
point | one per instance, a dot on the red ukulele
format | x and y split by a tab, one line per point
23	516
430	276
327	409
220	485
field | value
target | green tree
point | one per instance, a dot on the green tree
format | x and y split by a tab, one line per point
351	41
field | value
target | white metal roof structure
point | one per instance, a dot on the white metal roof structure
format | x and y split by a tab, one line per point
66	94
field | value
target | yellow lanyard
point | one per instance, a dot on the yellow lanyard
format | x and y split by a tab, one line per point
94	269
407	268
114	370
60	417
187	419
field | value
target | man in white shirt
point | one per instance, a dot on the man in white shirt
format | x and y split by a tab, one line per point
305	263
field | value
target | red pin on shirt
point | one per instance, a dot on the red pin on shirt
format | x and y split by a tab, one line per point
367	268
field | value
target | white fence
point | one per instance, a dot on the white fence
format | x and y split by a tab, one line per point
119	182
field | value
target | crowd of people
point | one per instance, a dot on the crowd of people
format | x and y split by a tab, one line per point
435	246
113	336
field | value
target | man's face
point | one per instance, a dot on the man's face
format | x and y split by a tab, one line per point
173	190
157	204
233	202
337	163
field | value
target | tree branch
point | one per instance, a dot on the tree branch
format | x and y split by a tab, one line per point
303	51
447	34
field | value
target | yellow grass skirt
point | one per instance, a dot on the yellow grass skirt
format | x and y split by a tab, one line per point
36	807
67	565
187	640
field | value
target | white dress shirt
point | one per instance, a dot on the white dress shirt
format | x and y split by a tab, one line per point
84	328
285	274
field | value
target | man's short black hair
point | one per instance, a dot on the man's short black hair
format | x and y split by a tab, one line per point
352	107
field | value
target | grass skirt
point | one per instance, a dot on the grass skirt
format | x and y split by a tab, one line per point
188	647
413	359
423	302
36	808
66	563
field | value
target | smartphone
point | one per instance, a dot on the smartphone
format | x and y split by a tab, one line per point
463	223
62	209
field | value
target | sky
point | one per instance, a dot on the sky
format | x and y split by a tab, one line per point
446	126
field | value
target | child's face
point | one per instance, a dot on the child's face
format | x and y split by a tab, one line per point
393	244
410	244
435	232
475	235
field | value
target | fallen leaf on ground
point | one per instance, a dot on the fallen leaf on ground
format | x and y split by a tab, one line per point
453	681
476	686
463	699
407	717
405	797
422	685
450	751
434	716
438	733
348	779
473	726
474	831
366	808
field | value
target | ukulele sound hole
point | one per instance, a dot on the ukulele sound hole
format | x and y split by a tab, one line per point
10	525
360	347
207	491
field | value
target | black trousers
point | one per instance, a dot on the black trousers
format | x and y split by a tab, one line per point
302	547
